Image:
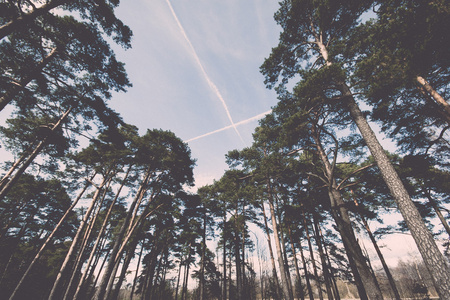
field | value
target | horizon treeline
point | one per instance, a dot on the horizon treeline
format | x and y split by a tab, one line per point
92	209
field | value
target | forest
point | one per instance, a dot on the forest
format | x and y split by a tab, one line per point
119	216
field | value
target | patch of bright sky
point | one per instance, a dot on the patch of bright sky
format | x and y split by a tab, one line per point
194	66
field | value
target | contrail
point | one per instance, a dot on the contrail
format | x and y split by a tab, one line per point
197	59
230	126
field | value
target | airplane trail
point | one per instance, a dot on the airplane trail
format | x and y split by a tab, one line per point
208	79
230	126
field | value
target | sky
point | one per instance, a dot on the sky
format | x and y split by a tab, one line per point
194	66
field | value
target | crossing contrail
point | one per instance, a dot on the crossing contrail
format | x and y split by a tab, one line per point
230	126
208	79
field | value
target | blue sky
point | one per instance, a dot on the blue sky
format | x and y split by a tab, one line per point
194	66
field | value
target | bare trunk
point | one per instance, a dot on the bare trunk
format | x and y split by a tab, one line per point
311	254
434	94
325	271
70	253
119	239
281	265
272	258
49	238
297	269
433	258
305	270
100	234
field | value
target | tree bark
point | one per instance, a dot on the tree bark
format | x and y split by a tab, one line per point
117	244
281	265
311	254
435	95
380	255
325	271
433	258
69	255
297	269
272	258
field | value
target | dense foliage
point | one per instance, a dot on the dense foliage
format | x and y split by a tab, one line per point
113	216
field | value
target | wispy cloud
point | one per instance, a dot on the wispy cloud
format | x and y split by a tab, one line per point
257	117
208	79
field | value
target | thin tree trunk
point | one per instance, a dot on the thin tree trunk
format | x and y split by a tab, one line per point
380	255
7	186
137	271
49	238
69	255
284	280
365	281
87	236
438	212
100	234
224	245
311	254
118	241
178	279
305	269
202	259
325	271
434	94
297	269
335	288
272	258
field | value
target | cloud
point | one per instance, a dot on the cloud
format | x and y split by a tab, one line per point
208	79
234	125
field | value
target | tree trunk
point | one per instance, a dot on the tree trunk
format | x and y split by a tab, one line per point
224	248
311	254
325	271
380	255
437	211
69	255
284	280
272	258
49	238
118	241
365	280
87	237
434	94
137	271
100	234
433	258
305	269
297	269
